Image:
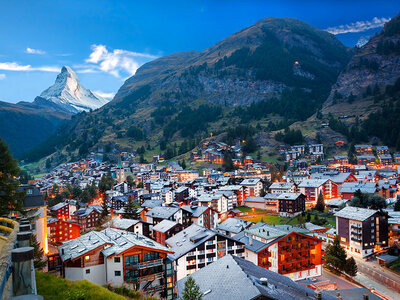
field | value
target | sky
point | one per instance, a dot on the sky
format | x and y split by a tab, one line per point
105	42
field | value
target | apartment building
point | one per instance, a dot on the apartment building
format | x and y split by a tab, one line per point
311	188
119	258
252	187
196	246
60	211
362	231
59	230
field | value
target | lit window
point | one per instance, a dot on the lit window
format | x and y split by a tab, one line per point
87	257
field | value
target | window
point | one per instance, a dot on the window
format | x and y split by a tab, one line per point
117	273
29	192
134	259
151	256
87	271
117	259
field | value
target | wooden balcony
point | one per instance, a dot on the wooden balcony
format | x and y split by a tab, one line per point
151	277
145	264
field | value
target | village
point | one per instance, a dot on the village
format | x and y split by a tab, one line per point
148	226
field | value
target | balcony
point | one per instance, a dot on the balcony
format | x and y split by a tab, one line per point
153	289
151	277
146	264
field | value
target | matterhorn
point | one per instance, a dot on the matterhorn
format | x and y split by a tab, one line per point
68	95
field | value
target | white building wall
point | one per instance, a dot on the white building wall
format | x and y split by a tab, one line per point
96	274
111	267
251	256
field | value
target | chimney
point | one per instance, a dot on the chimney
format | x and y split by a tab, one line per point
318	295
264	281
250	240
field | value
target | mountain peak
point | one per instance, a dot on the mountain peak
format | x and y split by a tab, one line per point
67	94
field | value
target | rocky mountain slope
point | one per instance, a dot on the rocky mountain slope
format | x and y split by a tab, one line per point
68	95
283	67
377	63
256	63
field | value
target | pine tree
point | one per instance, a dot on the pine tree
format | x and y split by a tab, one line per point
351	267
191	290
320	206
131	211
38	254
8	183
228	163
335	255
105	212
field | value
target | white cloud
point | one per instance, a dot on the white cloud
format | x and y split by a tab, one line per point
358	26
104	95
2	76
13	66
34	51
115	62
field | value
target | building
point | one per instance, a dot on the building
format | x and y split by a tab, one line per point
291	204
119	258
362	231
363	149
282	187
87	217
59	230
118	202
235	278
120	172
196	246
172	213
311	188
202	215
381	150
341	160
36	208
284	249
165	229
232	226
130	225
349	188
252	187
60	211
255	202
366	160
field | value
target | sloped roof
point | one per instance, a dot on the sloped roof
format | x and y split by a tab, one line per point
58	206
163	212
355	213
164	226
234	225
238	279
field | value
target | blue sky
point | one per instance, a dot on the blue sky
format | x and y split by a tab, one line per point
106	41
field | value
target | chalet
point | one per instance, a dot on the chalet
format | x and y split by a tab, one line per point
237	189
88	217
366	159
385	159
272	202
60	211
341	160
252	187
119	258
336	204
363	149
119	202
311	188
282	187
181	193
362	231
291	204
172	213
135	226
349	188
231	226
202	216
283	249
195	247
165	229
381	150
59	230
396	158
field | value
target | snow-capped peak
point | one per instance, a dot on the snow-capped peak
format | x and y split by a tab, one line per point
69	95
362	41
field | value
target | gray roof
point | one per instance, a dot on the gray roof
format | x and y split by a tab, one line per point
58	206
269	232
255	199
152	203
250	181
355	213
119	240
196	211
122	223
163	212
352	294
336	202
335	177
238	279
234	225
281	185
188	239
312	182
255	246
164	226
365	187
